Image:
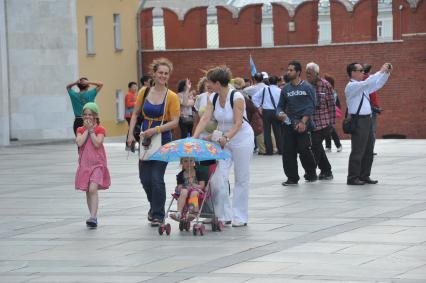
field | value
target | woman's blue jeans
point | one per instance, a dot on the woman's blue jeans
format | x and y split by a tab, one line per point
151	174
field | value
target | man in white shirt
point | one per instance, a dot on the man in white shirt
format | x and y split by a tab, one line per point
362	145
258	85
266	100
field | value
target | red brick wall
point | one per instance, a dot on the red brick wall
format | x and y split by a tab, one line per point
358	25
306	22
189	33
280	20
243	31
146	29
408	20
403	98
306	19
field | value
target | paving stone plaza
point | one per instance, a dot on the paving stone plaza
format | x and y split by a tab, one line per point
315	232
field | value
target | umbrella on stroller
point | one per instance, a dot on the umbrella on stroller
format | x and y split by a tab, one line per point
199	150
189	147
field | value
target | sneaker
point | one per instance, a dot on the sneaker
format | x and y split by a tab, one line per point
156	222
92	222
328	149
238	224
326	176
339	149
289	183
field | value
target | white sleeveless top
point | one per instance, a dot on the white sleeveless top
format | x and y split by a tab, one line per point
225	120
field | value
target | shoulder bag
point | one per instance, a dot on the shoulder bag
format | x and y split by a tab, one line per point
350	122
148	146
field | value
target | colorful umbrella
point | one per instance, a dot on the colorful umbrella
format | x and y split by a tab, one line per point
198	149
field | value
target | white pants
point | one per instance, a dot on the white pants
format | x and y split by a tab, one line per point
240	157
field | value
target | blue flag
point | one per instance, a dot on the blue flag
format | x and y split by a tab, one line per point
252	67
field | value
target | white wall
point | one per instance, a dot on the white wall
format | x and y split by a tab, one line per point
42	54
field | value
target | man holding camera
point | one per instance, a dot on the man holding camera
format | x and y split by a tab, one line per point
362	140
295	109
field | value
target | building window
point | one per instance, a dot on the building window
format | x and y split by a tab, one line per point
90	44
117	32
379	28
119	105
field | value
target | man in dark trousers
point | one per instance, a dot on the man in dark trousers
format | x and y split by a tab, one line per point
359	107
266	101
295	109
324	118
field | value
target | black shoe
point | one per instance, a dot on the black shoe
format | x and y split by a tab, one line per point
355	182
92	223
289	183
311	178
369	181
326	176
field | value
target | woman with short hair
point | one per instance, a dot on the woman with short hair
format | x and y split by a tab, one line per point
235	136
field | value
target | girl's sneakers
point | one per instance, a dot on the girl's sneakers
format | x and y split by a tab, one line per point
92	222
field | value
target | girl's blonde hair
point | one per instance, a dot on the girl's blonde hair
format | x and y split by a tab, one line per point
160	62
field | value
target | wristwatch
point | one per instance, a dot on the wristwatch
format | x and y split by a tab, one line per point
226	138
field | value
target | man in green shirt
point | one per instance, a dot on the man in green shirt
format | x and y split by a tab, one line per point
79	99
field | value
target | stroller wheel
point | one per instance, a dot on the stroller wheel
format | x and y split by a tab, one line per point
214	226
168	229
194	230
161	229
187	226
181	225
202	229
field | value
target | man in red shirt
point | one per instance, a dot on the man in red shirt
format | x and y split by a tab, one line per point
374	101
130	100
324	118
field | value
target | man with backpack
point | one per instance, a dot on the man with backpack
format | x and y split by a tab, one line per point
266	101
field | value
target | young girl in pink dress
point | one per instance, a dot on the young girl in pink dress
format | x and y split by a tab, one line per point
92	172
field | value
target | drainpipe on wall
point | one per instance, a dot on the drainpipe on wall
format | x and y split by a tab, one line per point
5	117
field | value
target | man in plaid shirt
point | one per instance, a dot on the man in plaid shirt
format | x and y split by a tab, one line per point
324	118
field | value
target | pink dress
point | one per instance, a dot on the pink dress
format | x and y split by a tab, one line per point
92	164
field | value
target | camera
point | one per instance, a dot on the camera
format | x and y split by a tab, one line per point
146	142
377	110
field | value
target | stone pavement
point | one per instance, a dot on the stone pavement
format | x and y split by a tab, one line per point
320	232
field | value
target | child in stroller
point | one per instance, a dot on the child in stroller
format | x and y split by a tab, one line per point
189	192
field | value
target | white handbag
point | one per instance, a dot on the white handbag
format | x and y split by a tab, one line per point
145	152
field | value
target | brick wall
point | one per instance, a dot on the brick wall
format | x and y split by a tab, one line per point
358	25
189	33
403	98
242	31
408	20
306	23
146	29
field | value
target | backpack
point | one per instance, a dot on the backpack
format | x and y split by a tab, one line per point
256	120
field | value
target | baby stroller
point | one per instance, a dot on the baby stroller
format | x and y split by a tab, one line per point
206	210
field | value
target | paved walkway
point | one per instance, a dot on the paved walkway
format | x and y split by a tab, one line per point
320	232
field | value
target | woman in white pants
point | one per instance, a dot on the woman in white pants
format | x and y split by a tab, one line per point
235	136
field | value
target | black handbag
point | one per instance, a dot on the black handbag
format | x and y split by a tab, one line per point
350	123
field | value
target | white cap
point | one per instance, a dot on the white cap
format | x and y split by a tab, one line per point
265	75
